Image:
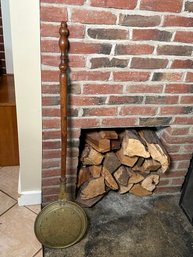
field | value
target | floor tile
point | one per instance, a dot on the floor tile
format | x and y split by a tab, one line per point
6	202
9	180
17	236
39	254
35	208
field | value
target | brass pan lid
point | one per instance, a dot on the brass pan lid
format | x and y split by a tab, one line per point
60	224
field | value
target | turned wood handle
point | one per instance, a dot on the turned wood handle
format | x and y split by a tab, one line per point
63	45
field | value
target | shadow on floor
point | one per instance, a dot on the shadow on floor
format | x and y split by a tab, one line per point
129	226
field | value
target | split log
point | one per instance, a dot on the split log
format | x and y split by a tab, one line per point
115	144
122	176
100	144
111	162
90	156
126	160
151	165
125	189
83	176
89	202
93	188
139	165
156	148
109	179
138	190
108	134
134	177
133	145
95	171
150	182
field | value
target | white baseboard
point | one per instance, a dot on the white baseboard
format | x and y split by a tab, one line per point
29	198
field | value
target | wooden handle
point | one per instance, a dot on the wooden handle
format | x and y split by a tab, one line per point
63	44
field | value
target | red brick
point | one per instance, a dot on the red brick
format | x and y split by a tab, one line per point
174	174
138	110
51	30
155	121
182	64
51	112
188	99
51	172
108	34
181	156
178	21
139	20
161	99
177	181
90	75
89	48
93	17
131	76
50	76
78	2
184	36
112	111
188	148
179	88
50	181
50	60
184	165
134	49
51	134
183	120
50	190
189	77
167	76
51	123
49	45
86	100
51	144
125	99
105	62
119	122
50	89
177	131
169	189
174	50
76	61
50	100
53	13
151	34
162	6
85	123
148	63
176	110
141	88
102	89
53	153
121	4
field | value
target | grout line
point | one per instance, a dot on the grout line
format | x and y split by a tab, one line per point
8	195
32	210
8	209
37	252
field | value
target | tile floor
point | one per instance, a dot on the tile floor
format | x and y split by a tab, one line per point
17	238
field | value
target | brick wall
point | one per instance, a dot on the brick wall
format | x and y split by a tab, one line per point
2	51
130	65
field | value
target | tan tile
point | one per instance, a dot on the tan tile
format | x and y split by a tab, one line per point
35	208
9	180
39	254
6	202
17	236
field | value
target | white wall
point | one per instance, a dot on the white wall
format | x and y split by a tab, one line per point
25	32
7	36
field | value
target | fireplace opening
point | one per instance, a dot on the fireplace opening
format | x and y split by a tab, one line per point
126	160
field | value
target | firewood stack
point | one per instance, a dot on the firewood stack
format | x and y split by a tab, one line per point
129	161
